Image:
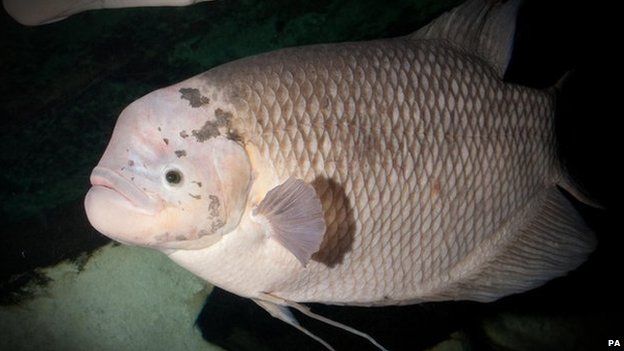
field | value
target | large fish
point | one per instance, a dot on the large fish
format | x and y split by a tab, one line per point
384	172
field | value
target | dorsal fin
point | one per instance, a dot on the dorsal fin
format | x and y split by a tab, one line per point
484	28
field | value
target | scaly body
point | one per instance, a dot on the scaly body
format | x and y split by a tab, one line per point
417	150
385	172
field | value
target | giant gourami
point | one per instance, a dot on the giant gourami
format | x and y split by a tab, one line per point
372	173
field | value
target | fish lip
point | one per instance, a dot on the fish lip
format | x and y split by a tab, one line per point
108	178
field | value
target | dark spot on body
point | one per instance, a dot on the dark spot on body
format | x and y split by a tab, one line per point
132	178
166	141
160	130
181	237
194	97
223	117
130	163
216	225
435	188
198	197
180	153
184	134
162	237
214	206
339	219
199	184
203	232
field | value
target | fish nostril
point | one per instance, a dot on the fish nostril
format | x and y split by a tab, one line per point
139	165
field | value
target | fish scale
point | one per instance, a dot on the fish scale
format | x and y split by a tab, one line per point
394	125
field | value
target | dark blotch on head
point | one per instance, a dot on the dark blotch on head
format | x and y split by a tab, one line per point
197	197
199	184
214	206
180	153
166	141
195	98
215	225
223	117
184	134
210	129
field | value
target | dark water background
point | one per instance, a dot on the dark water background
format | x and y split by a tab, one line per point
63	85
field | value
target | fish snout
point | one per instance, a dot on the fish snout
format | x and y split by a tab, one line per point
126	189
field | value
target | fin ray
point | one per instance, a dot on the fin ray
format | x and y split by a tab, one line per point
306	311
555	241
572	187
284	314
293	216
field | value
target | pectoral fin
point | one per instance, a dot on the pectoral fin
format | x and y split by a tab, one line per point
293	216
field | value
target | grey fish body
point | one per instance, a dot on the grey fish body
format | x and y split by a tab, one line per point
384	172
423	158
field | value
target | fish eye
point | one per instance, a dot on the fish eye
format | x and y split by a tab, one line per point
173	177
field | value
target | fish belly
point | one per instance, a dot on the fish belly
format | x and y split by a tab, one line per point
419	153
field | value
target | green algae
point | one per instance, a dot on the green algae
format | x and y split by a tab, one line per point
114	300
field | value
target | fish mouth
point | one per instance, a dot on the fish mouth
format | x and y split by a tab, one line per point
111	180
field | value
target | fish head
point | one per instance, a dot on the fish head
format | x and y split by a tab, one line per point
172	175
